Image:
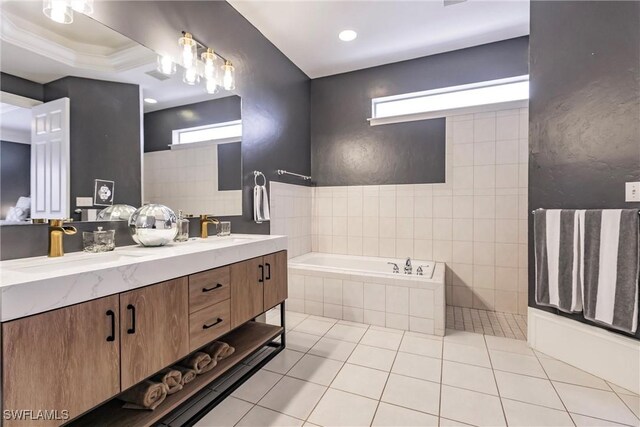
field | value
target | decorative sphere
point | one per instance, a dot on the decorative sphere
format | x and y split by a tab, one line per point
153	225
116	213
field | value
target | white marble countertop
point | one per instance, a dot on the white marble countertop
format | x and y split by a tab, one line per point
35	285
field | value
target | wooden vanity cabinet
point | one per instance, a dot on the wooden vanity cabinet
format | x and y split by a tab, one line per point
257	285
64	359
154	329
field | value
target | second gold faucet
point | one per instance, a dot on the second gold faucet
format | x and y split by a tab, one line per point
205	220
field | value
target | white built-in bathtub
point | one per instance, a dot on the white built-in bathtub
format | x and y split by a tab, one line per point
365	290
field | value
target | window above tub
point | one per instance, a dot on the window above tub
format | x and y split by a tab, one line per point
218	133
511	92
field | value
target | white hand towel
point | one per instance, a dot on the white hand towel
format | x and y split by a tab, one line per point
260	204
265	204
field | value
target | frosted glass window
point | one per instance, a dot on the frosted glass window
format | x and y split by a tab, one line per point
219	132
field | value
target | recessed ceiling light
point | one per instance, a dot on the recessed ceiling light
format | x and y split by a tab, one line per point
150	101
347	35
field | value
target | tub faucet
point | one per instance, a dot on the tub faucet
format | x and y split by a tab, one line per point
395	267
407	267
205	220
56	232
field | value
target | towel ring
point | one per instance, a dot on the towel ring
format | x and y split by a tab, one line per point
256	174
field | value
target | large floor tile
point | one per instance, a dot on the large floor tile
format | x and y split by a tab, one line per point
463	337
259	417
227	413
416	366
412	393
508	344
284	361
394	416
316	369
372	357
595	403
338	408
257	386
523	414
471	407
293	397
412	343
382	339
343	332
560	371
584	421
314	326
470	377
360	380
516	363
301	341
333	349
445	422
621	390
537	391
473	355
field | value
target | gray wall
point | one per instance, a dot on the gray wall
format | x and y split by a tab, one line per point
15	174
345	150
19	86
105	136
274	92
584	110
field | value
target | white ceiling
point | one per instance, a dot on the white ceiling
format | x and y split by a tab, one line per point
388	31
37	49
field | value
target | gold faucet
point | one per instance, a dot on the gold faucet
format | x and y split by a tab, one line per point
205	220
56	233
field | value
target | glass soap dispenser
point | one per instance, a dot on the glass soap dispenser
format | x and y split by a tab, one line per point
183	228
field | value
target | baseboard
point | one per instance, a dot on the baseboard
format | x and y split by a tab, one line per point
610	356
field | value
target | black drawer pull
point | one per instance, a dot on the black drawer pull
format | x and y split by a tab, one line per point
111	314
261	279
219	285
132	329
205	326
268	271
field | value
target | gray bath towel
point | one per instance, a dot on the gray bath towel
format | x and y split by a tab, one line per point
610	267
557	253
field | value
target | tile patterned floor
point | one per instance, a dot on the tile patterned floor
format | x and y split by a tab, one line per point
338	373
487	322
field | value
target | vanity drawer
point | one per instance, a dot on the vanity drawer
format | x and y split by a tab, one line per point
208	288
209	323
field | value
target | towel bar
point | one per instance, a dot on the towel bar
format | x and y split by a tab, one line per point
284	172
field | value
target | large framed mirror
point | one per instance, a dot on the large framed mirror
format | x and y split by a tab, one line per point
90	118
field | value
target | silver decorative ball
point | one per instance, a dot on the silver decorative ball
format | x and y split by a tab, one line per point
153	225
116	213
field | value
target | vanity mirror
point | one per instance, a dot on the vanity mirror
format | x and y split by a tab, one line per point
81	102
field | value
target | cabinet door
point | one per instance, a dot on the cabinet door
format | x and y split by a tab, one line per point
275	280
247	290
154	329
65	359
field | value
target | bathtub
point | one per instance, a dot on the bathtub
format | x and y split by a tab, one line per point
366	290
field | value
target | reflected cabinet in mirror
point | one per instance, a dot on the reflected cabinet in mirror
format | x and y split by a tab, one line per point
89	119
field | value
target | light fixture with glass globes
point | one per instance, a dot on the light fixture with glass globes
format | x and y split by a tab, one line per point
61	11
205	67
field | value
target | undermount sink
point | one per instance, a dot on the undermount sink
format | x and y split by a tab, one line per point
50	264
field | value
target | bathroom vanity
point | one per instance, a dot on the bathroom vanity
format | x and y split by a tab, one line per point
79	330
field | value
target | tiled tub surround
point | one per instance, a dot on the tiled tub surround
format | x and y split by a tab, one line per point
476	222
290	207
398	301
187	179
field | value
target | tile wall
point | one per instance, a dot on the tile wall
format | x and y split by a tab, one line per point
290	208
476	222
187	180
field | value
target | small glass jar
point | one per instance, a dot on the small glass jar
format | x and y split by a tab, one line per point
183	228
99	240
224	228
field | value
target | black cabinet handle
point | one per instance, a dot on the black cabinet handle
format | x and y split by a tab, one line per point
268	271
111	314
261	279
219	285
205	326
132	329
